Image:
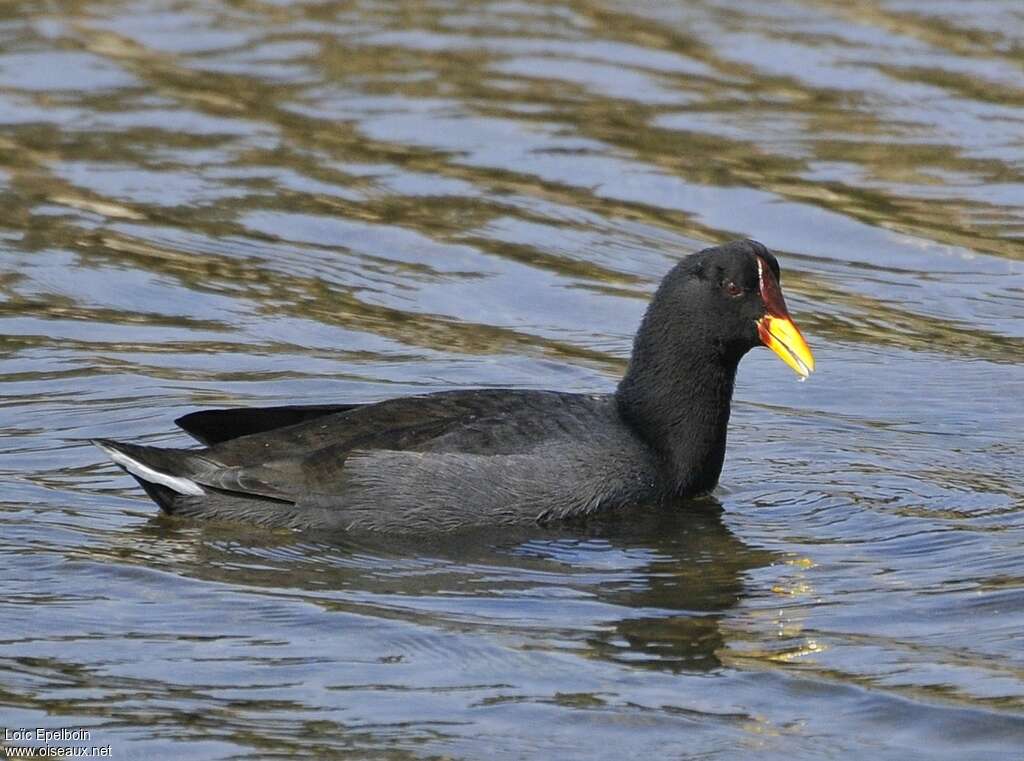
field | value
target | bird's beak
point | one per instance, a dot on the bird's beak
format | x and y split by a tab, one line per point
777	330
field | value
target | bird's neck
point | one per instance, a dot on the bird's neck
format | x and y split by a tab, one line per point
680	406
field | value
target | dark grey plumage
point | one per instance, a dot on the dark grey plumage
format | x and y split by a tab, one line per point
476	457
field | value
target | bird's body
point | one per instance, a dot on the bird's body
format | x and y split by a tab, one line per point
491	456
419	463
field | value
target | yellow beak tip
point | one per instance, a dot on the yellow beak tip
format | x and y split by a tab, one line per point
783	337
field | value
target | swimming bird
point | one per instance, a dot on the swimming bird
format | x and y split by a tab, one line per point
452	459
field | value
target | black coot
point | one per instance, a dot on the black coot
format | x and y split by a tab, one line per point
477	457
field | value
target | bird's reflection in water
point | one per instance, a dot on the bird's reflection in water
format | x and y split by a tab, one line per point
646	588
695	574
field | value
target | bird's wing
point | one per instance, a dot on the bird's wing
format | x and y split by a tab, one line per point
489	422
216	426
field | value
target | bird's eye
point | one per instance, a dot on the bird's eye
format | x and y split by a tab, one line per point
732	289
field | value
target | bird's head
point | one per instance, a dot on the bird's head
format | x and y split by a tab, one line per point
721	302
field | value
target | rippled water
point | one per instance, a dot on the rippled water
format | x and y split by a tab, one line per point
254	203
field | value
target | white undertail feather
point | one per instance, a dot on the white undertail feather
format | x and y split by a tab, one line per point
176	483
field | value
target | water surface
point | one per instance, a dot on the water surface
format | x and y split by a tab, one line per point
255	203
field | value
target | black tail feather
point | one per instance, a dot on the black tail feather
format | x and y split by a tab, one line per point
163	496
178	495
